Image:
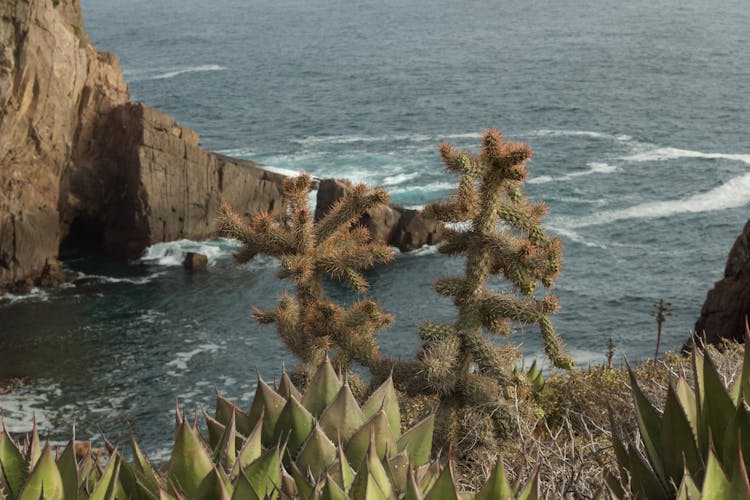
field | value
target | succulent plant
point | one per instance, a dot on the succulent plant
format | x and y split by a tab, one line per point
698	446
335	247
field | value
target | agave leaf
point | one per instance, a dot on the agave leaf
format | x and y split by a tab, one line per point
343	416
445	486
417	441
133	483
35	447
678	443
287	388
322	389
294	423
212	487
613	486
686	396
332	491
250	451
68	468
412	488
14	471
532	489
427	475
643	480
398	469
264	474
736	438
244	425
304	490
740	485
215	430
377	426
688	490
226	449
718	408
190	462
375	468
341	471
150	478
497	486
715	482
385	397
266	405
365	487
44	480
700	396
243	490
650	425
105	487
224	409
317	452
88	473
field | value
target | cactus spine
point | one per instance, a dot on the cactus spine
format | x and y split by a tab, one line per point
504	238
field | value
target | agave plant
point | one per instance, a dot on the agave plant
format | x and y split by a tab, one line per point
698	446
317	444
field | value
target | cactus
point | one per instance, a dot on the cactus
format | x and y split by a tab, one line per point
698	446
310	325
504	238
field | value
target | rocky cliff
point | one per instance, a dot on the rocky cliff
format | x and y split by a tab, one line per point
728	302
81	165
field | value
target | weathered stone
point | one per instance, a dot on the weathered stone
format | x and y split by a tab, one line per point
195	261
21	287
727	305
397	226
52	274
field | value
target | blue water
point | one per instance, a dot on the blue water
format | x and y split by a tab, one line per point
637	112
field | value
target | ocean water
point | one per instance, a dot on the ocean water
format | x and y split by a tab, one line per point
637	112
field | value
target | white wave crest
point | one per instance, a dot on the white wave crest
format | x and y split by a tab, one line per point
732	194
183	358
576	133
111	279
172	253
661	154
399	179
594	168
141	75
424	250
429	188
355	138
573	236
36	294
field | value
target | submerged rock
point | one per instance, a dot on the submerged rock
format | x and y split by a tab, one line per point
195	261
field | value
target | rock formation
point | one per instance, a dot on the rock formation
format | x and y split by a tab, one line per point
400	227
728	303
81	166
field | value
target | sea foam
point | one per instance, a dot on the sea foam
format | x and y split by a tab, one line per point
594	168
172	253
144	75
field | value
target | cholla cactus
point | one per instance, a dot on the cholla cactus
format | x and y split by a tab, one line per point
310	325
504	237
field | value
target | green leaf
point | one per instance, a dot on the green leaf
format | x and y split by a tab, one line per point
267	405
294	423
341	471
226	449
377	426
417	441
740	485
322	389
718	408
150	478
343	416
736	438
678	443
332	491
250	451
68	468
700	396
14	471
374	467
398	468
35	447
212	487
649	423
688	490
243	490
133	483
265	473
224	410
412	487
44	478
317	453
215	431
532	490
643	480
303	487
385	397
190	462
287	388
715	482
445	486
689	404
105	487
497	486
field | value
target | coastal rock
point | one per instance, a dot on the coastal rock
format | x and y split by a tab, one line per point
728	303
195	261
397	226
79	163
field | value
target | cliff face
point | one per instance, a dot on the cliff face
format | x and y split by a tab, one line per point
77	157
728	302
80	164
